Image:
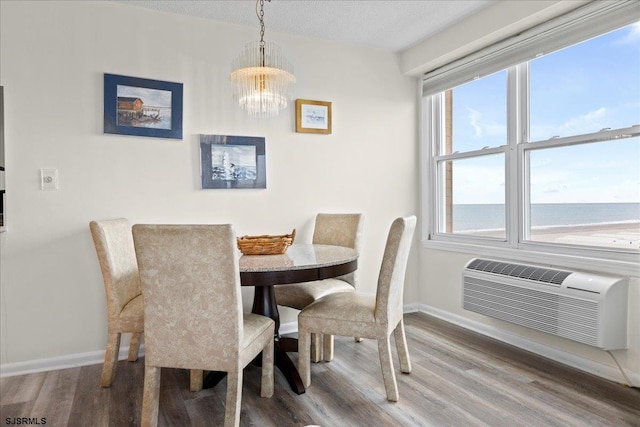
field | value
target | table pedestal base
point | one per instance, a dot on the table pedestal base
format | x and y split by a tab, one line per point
213	378
286	366
282	362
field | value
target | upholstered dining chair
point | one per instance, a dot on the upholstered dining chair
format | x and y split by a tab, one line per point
193	312
329	229
364	315
117	258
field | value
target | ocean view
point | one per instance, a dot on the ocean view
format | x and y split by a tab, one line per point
468	217
612	225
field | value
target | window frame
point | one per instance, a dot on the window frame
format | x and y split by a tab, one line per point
516	153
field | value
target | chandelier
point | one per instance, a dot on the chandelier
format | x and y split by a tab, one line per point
262	78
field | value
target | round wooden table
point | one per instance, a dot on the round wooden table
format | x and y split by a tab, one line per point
301	263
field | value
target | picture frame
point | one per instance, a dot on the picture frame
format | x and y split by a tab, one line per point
229	161
313	116
142	107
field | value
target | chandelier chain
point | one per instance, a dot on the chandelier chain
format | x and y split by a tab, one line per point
261	19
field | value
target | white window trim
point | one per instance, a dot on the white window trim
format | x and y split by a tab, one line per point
616	267
516	247
583	23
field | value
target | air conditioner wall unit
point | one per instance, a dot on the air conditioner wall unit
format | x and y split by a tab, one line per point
584	307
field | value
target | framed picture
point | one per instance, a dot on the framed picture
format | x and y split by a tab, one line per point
228	161
142	107
313	116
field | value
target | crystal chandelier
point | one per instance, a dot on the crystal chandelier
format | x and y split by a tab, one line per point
262	78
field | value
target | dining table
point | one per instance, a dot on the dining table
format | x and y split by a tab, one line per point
299	264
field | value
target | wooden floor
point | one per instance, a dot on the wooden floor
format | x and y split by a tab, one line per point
459	378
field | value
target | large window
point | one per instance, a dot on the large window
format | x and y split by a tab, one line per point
542	155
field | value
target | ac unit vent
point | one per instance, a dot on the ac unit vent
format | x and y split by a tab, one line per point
537	274
584	307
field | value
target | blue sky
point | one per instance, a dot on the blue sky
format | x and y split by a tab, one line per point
581	89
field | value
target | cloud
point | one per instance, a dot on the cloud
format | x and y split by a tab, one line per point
575	187
150	97
478	183
474	118
632	37
613	116
484	127
584	123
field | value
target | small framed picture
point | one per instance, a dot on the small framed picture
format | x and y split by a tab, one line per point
142	107
313	116
228	161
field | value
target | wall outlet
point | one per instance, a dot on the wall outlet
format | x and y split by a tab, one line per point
48	179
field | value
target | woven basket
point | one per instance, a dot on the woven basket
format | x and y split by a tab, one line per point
266	245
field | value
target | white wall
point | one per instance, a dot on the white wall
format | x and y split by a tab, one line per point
53	56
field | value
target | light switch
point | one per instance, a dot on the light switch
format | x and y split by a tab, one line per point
48	179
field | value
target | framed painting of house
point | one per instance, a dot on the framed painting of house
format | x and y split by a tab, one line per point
228	161
142	107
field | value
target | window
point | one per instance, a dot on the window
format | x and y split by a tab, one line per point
475	120
543	155
586	194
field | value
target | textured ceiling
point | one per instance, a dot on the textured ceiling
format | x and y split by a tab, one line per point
389	25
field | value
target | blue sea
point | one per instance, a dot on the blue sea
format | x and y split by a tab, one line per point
492	217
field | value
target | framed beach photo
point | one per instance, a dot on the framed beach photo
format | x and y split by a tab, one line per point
228	161
313	116
142	107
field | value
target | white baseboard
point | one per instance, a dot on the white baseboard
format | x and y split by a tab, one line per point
61	362
288	328
411	308
605	371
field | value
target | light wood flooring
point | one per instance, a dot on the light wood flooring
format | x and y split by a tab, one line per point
459	378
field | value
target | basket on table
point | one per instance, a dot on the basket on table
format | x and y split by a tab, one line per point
266	245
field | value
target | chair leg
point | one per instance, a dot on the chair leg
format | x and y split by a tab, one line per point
150	396
386	363
234	398
316	348
134	346
304	357
110	360
401	346
266	387
327	347
196	377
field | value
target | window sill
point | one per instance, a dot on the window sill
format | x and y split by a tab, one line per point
615	267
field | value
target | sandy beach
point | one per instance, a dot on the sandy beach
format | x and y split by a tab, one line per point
622	236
